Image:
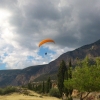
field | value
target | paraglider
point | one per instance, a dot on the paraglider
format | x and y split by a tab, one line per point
45	41
46	53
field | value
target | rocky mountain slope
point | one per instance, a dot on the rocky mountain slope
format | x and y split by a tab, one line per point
40	72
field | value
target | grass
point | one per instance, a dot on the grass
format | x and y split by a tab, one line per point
31	96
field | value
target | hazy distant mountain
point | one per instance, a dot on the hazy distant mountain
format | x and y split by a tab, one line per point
41	72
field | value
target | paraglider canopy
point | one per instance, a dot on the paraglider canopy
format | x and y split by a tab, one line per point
45	41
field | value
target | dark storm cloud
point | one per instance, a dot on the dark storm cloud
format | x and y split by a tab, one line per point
31	20
74	23
42	10
83	25
9	5
24	23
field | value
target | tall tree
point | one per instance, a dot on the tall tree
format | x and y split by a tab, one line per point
48	85
43	87
61	76
70	77
85	78
70	69
30	86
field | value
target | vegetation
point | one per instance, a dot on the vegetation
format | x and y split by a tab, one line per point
7	90
65	73
54	92
69	90
61	76
40	87
48	85
33	96
30	86
85	77
43	88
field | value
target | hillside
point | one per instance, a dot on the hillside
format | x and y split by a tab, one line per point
26	95
40	72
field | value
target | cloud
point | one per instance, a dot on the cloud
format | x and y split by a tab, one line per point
23	24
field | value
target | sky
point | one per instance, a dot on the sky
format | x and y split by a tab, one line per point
24	23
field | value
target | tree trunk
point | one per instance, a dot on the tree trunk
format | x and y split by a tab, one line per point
84	96
81	96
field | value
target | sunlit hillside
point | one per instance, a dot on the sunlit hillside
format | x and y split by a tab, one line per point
31	96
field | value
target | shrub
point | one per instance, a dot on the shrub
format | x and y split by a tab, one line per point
7	90
54	92
1	91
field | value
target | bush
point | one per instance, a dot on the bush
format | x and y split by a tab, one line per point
1	92
7	90
70	98
54	92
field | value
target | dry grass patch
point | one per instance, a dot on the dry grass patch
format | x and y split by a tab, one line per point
31	96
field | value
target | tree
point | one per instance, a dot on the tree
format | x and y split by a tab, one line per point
61	77
48	85
43	88
54	92
85	78
70	70
70	77
30	86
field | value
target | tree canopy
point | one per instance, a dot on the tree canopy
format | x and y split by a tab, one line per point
85	76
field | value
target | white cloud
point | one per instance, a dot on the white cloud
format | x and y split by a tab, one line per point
23	24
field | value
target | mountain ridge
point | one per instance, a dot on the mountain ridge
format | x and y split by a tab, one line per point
31	73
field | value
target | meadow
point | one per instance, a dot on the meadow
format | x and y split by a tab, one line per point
32	96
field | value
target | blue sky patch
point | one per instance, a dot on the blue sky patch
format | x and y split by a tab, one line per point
3	66
43	50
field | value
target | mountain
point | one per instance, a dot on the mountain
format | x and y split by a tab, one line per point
41	72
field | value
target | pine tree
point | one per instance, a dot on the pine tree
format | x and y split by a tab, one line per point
43	87
70	70
30	86
70	77
66	78
48	85
61	76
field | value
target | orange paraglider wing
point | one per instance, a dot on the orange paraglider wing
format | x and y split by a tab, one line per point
45	41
